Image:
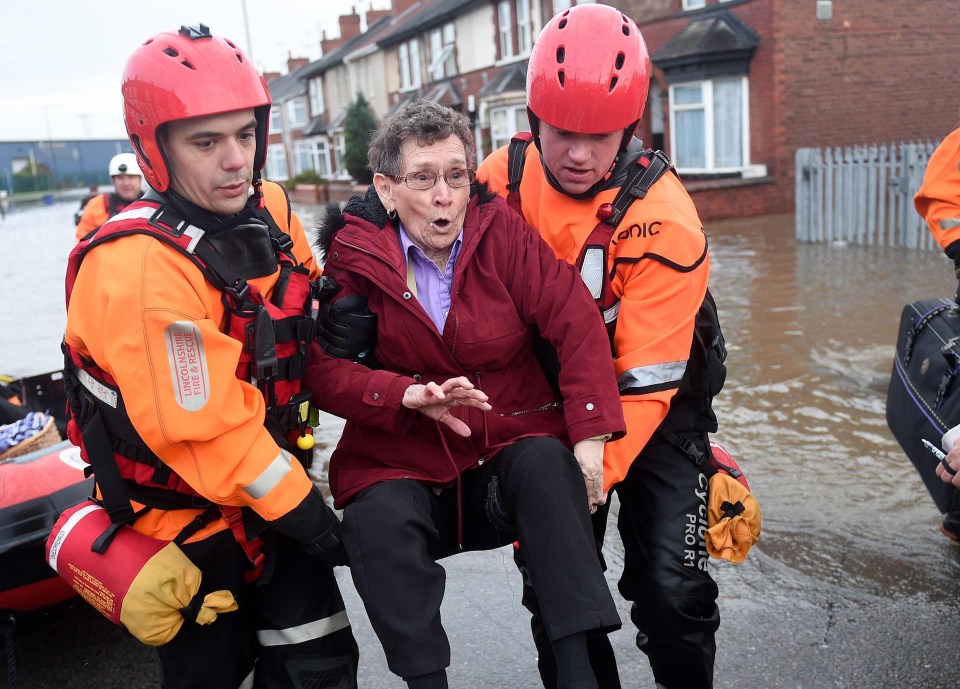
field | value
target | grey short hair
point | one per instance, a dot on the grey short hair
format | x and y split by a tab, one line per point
426	122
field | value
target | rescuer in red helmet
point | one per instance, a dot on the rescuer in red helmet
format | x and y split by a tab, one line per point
621	215
187	328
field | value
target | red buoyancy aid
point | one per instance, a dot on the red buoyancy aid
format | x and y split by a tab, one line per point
273	333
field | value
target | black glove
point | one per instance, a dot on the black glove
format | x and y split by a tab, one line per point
315	525
346	329
328	546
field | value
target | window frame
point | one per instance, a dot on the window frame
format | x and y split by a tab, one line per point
410	65
524	27
276	119
505	29
442	52
519	113
277	156
709	122
689	5
315	89
339	149
297	114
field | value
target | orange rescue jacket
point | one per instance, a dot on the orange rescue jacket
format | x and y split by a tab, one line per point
658	267
938	199
129	301
97	211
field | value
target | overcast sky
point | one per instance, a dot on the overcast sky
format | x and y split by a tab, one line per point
61	60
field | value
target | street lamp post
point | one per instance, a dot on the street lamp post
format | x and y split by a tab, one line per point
53	153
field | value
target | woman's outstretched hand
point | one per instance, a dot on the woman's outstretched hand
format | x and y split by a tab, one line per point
436	401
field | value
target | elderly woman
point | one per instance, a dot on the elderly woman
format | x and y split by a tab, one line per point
460	286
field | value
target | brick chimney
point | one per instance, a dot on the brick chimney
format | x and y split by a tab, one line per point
328	44
401	6
270	76
349	25
373	15
295	62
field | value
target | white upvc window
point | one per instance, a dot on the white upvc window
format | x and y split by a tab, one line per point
444	62
277	163
339	150
505	25
321	158
409	65
316	96
276	119
710	125
505	121
524	27
297	112
561	5
312	155
694	4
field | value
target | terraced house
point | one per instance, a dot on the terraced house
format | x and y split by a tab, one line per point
738	85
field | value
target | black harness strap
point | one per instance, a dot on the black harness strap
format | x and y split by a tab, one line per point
650	166
516	159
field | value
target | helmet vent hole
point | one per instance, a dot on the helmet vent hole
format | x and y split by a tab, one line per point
239	57
626	29
613	84
561	54
560	77
172	52
231	44
186	63
620	59
562	24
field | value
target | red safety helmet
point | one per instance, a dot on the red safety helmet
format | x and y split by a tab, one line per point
589	72
190	73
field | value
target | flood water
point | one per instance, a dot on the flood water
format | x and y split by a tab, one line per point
810	331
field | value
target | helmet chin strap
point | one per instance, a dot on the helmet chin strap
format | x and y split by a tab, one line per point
258	200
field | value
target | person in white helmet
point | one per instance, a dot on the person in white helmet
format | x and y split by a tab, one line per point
127	178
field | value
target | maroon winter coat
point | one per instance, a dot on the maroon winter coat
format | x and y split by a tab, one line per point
507	285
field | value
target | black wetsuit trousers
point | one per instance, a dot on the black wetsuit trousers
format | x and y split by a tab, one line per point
662	519
396	530
290	630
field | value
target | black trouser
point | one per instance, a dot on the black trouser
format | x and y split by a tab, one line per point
291	625
395	532
664	575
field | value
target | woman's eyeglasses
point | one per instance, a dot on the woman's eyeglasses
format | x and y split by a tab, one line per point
456	178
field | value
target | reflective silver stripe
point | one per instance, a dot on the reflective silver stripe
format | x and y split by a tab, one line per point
64	532
304	632
950	224
133	214
195	233
270	477
592	270
101	391
646	376
610	315
247	682
146	212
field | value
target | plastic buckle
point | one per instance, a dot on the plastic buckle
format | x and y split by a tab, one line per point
240	289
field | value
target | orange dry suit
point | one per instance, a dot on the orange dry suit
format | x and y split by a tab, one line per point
647	267
938	199
97	211
183	375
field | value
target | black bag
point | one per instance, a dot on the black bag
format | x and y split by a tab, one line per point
923	401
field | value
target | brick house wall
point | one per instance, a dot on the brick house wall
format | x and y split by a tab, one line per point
873	73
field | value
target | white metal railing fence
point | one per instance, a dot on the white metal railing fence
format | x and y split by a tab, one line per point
862	194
